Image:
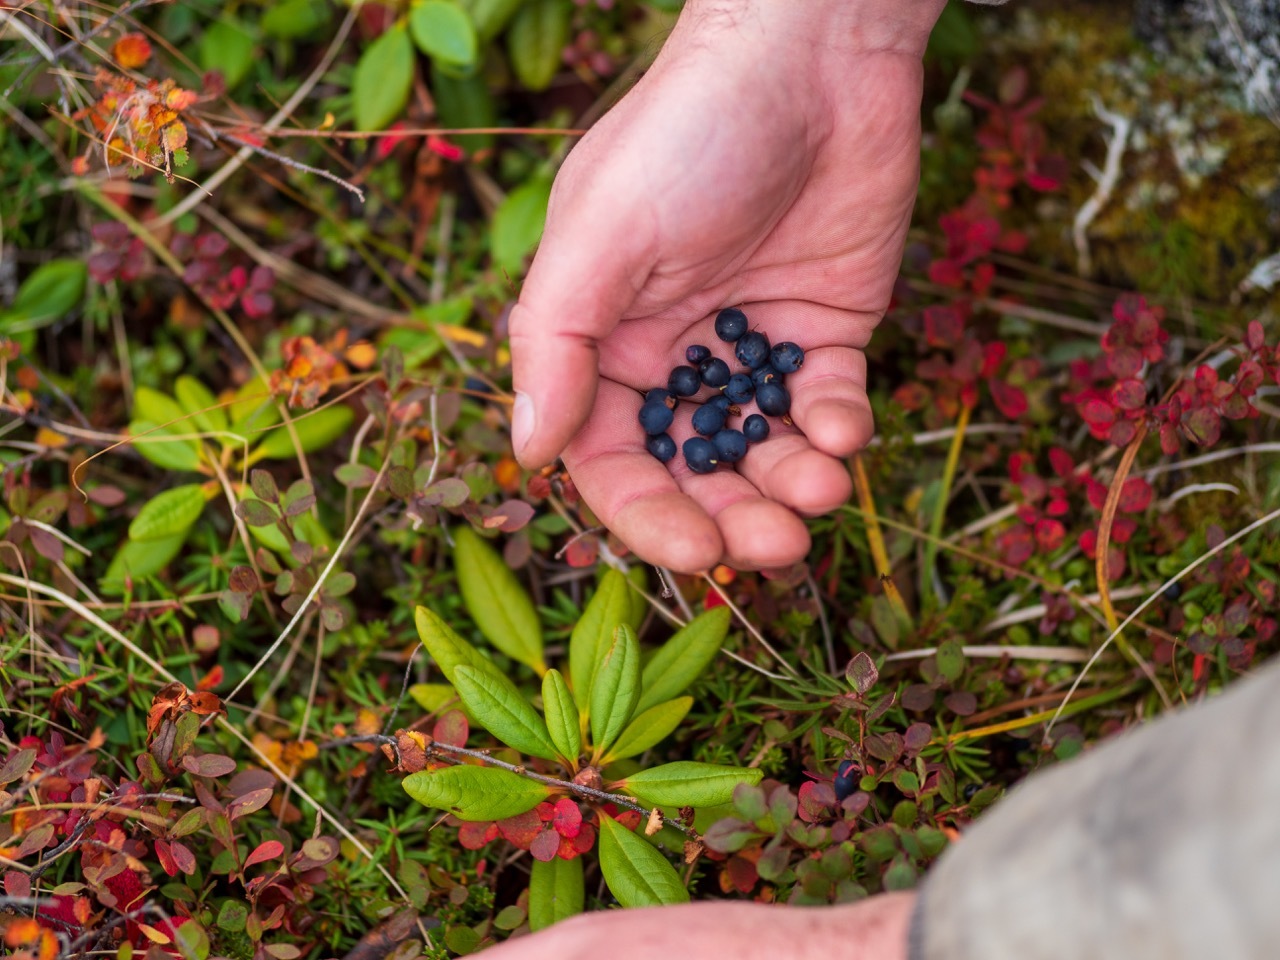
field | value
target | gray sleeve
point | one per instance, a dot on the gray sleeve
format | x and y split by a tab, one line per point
1163	844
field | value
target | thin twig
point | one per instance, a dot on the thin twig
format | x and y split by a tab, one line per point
1107	180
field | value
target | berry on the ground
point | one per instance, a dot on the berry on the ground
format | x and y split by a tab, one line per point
752	350
755	428
739	389
684	381
731	445
655	418
697	353
700	454
708	420
786	357
731	323
773	399
714	371
661	446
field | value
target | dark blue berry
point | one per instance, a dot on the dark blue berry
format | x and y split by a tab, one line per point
752	350
755	428
655	417
846	780
773	399
731	445
697	353
708	420
715	372
731	323
786	357
765	374
739	389
684	381
700	454
721	403
661	446
659	395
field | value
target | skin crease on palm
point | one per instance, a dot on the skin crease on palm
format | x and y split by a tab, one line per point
769	159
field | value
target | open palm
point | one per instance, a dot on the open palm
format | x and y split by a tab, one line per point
742	170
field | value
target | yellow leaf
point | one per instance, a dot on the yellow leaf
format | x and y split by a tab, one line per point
50	439
461	335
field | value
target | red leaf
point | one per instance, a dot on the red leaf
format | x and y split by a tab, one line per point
475	834
209	765
983	275
267	850
1135	495
741	873
1253	336
521	829
1061	462
582	552
568	818
183	857
948	273
1011	401
1123	529
816	799
1203	425
545	846
167	863
1050	534
451	729
1098	412
1122	432
1129	394
943	325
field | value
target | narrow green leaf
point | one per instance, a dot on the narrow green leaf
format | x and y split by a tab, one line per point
384	75
163	449
490	16
496	601
563	721
476	793
195	398
433	696
446	648
294	19
51	292
444	31
688	784
315	431
592	634
637	874
169	514
537	36
615	688
649	728
639	604
462	103
498	706
517	224
682	659
555	892
139	558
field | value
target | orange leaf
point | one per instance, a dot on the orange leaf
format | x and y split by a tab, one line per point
132	51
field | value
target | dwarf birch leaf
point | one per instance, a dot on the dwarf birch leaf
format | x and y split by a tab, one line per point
476	793
499	707
637	874
555	892
682	659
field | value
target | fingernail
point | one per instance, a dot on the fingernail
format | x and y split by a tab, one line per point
522	421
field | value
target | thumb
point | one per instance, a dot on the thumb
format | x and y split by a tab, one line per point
584	276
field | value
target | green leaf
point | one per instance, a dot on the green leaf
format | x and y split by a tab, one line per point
496	601
563	721
555	892
432	697
195	398
615	688
51	292
476	793
446	648
253	411
538	34
650	727
139	558
689	784
498	706
639	603
442	30
464	102
682	659
637	874
228	47
517	224
490	16
315	431
608	607
950	659
294	18
383	78
169	514
191	941
162	449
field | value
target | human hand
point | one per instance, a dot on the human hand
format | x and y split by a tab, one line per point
872	929
768	160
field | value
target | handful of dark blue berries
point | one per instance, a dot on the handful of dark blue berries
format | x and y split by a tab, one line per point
763	380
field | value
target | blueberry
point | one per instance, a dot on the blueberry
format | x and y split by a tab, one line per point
731	445
655	417
753	349
773	400
715	372
739	389
659	395
708	420
765	374
661	446
786	357
697	353
700	454
684	381
731	323
755	428
721	403
846	780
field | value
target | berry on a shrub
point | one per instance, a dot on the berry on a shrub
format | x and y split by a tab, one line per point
700	454
731	323
684	381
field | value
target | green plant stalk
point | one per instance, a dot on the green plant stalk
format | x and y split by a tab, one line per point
1020	723
940	508
875	540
